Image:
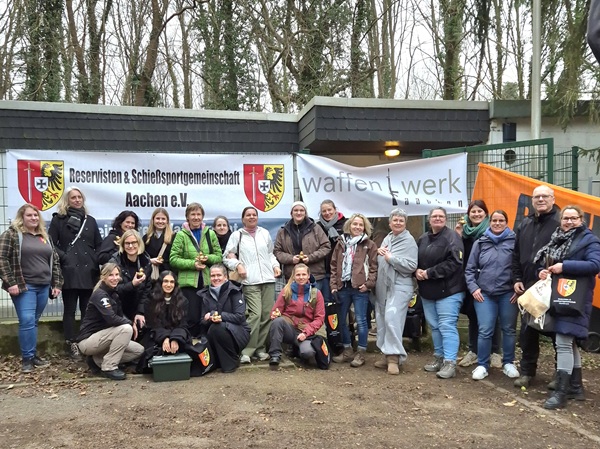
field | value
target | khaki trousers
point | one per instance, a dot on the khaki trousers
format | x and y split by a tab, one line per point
259	302
112	346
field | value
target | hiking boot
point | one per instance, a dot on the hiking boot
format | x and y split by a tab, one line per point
510	370
576	388
552	384
346	356
496	360
447	371
27	366
382	363
393	364
523	381
559	396
359	359
73	350
114	374
479	373
468	360
37	361
94	369
435	365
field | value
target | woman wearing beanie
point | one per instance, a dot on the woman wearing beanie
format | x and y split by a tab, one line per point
300	240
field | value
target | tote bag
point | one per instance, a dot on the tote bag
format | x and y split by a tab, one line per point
569	295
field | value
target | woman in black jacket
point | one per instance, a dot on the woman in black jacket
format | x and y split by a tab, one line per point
76	238
134	288
123	222
224	319
442	289
158	241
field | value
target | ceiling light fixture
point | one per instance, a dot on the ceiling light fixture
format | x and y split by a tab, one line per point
392	148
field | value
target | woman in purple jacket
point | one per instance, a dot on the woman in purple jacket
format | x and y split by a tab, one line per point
575	252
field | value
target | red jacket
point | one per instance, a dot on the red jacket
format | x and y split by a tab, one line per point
306	314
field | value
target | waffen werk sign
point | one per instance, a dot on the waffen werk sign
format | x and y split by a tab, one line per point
415	186
224	184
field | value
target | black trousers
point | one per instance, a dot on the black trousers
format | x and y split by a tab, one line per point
70	297
283	332
529	340
194	310
223	347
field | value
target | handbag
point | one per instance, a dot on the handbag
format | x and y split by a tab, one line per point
536	299
322	353
545	323
202	360
233	274
569	295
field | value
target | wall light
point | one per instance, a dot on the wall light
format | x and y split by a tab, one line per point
392	148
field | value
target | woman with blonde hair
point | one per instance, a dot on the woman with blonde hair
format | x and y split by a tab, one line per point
297	316
134	289
353	276
158	241
76	238
30	271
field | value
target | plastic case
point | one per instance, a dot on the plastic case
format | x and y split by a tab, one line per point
167	368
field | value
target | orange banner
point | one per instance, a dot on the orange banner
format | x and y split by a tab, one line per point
501	189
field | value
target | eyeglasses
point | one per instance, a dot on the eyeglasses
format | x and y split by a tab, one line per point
571	219
541	197
130	243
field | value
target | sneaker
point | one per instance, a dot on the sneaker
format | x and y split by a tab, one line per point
479	373
263	356
447	371
496	360
510	370
245	359
435	365
468	360
73	350
359	359
39	361
27	366
346	356
94	369
523	381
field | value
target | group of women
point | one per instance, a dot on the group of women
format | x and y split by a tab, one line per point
331	260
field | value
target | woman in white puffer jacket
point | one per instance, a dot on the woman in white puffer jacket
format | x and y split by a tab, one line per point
249	251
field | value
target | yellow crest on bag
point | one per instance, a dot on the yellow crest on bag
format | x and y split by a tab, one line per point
566	287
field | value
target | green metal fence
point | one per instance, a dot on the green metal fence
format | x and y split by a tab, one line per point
533	158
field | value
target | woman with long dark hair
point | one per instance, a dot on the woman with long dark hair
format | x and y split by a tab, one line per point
125	221
76	238
167	315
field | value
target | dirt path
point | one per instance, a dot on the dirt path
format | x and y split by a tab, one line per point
294	408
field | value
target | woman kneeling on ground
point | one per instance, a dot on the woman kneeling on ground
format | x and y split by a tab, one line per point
106	334
224	319
298	316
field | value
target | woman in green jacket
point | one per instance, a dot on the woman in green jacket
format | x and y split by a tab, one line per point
194	250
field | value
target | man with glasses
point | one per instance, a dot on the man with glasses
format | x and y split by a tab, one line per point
533	233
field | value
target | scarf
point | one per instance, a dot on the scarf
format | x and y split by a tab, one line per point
215	291
329	226
252	231
223	239
497	238
558	246
76	217
396	244
474	232
304	291
349	252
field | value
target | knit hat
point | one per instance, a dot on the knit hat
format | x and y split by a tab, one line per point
299	203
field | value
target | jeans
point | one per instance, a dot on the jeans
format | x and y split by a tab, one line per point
488	312
348	296
442	317
29	306
325	288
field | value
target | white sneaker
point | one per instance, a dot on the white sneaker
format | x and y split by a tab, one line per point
469	359
496	360
479	373
245	359
263	356
511	371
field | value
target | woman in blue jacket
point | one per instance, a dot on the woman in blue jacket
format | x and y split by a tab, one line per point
489	280
575	252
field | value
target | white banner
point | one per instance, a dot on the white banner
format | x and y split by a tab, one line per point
223	183
415	186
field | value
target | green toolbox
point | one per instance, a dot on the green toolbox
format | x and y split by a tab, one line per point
170	367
